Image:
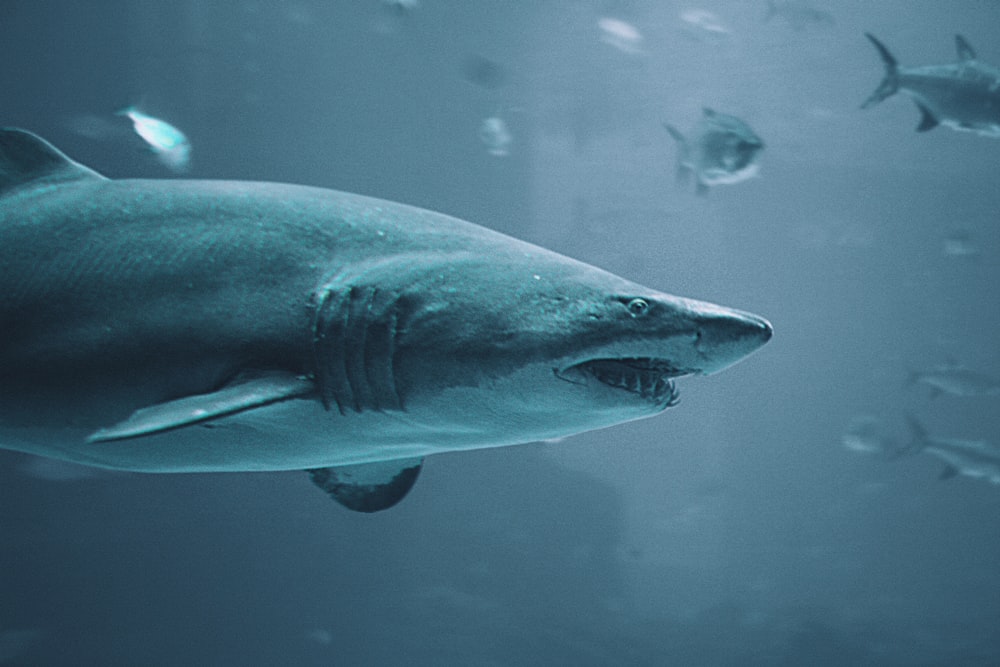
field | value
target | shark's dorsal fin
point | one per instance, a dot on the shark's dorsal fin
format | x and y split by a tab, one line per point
237	397
27	159
965	51
368	487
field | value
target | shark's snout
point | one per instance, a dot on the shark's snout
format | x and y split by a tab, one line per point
727	336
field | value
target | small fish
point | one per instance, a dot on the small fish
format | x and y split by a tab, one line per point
978	459
721	150
704	22
955	380
169	144
622	35
798	14
320	636
865	435
494	133
484	72
960	244
963	96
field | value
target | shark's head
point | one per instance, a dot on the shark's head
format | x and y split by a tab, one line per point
521	345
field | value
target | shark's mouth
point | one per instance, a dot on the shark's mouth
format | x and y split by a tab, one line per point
646	377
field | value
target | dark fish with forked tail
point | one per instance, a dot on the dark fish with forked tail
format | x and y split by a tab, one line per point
964	95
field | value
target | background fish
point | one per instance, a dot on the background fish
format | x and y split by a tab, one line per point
170	145
865	434
955	380
720	149
799	15
963	96
978	459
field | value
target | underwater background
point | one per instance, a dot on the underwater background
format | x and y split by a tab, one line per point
777	516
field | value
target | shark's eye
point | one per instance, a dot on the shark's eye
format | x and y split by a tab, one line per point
637	307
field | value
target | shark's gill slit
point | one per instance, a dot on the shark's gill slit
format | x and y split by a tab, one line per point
390	358
356	347
328	348
378	350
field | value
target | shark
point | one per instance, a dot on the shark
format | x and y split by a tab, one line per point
978	459
964	95
212	326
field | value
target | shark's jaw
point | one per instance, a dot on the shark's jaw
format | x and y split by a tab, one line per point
646	378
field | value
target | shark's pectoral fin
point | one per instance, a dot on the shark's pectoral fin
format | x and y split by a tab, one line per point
700	188
948	472
927	119
368	487
237	397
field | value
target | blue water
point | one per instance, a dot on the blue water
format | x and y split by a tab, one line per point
736	529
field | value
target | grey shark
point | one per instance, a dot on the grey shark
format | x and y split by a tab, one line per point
964	95
183	326
978	459
720	149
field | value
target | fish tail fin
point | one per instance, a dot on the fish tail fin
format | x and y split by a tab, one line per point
890	84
